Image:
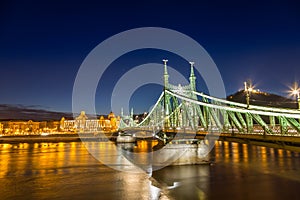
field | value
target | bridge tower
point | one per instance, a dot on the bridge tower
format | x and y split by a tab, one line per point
194	109
166	75
166	97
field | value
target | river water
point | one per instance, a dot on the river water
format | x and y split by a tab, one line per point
69	171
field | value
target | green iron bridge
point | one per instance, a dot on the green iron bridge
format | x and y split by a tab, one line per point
183	109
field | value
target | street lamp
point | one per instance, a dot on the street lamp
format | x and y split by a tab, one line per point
248	90
296	92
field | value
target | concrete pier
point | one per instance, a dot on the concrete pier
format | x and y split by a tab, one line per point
184	152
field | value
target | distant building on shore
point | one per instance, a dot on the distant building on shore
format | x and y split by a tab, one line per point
28	127
78	125
83	124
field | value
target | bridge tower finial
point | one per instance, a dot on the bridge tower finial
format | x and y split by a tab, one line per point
131	113
166	75
192	68
192	77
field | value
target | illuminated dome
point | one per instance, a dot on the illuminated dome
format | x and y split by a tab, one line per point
111	115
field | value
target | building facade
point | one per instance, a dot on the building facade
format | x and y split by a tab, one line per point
28	127
78	125
83	124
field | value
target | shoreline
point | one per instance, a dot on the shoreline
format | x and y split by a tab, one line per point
55	138
38	139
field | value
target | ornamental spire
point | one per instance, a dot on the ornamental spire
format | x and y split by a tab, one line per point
165	66
192	77
166	75
192	69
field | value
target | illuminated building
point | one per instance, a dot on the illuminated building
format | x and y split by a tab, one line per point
28	127
1	127
80	124
83	124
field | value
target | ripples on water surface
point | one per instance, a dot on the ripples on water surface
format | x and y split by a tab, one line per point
68	171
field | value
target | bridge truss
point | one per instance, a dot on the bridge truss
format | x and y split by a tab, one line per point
182	107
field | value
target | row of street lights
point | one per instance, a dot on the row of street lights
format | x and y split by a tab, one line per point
249	89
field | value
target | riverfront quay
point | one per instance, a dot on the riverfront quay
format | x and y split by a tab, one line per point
45	138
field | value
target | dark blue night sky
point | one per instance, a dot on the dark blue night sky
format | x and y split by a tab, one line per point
43	43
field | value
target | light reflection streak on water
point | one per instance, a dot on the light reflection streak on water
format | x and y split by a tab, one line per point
38	157
235	152
245	154
226	151
280	158
289	161
217	147
278	162
264	161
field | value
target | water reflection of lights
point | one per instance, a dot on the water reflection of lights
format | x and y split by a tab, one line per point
281	162
245	153
145	146
5	146
4	167
154	191
289	159
135	182
288	153
280	152
272	152
235	152
264	161
227	151
51	169
174	178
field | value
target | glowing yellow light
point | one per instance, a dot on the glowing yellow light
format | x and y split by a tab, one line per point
249	87
295	92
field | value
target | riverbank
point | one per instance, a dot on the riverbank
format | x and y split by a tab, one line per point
38	138
54	138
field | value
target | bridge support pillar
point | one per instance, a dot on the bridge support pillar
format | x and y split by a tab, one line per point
190	154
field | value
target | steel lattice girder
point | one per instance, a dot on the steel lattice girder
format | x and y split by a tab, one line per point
283	124
249	121
206	112
241	119
294	123
272	121
262	123
235	121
